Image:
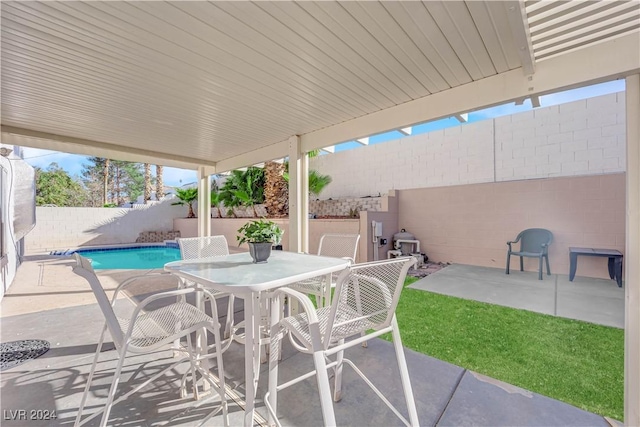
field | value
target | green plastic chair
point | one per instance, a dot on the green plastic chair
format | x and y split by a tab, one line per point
534	243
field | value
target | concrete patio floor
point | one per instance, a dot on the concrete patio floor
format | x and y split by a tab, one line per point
591	300
446	395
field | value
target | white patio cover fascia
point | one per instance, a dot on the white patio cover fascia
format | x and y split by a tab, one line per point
215	86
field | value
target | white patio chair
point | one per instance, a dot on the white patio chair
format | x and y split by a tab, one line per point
148	331
331	245
365	301
205	247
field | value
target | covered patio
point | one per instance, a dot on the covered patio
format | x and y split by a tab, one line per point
215	86
446	395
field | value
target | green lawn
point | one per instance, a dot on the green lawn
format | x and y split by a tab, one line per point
576	362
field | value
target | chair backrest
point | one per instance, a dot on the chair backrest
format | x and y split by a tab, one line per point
84	269
339	246
372	290
532	240
203	247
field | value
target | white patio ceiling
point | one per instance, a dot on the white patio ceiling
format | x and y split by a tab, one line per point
225	84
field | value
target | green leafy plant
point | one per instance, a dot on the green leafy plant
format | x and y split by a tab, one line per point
187	196
54	186
216	198
259	231
243	188
317	181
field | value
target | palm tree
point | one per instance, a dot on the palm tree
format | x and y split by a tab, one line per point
243	189
276	192
147	182
216	198
317	182
251	188
187	196
159	182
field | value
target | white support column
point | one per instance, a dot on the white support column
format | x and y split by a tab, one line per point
298	197
304	206
632	258
204	202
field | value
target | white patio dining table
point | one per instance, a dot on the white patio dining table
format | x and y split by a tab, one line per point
237	274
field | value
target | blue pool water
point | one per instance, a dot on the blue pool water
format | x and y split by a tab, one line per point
135	258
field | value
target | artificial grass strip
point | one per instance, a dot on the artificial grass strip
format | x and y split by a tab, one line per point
576	362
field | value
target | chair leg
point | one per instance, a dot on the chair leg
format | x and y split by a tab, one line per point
222	390
176	344
273	374
337	392
548	269
90	378
521	264
540	268
194	378
506	271
114	386
404	374
322	377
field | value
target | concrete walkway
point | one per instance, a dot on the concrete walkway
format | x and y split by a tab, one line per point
446	395
591	300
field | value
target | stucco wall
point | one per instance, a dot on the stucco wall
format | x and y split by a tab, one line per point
471	224
584	137
63	228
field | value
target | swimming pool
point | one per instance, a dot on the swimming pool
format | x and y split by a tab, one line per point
134	258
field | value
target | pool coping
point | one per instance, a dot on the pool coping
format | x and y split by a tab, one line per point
113	247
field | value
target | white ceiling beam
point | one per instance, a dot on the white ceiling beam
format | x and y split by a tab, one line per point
605	61
407	131
330	149
270	152
462	118
29	138
535	101
519	24
363	141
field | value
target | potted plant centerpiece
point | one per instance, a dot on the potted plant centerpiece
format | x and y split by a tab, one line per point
260	235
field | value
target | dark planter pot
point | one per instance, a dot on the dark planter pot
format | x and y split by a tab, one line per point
260	251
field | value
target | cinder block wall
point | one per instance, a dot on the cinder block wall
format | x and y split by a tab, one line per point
585	137
471	224
63	228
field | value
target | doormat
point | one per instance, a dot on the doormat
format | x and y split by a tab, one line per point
15	353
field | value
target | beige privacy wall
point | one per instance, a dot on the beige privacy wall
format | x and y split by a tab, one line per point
65	228
228	227
583	137
471	224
